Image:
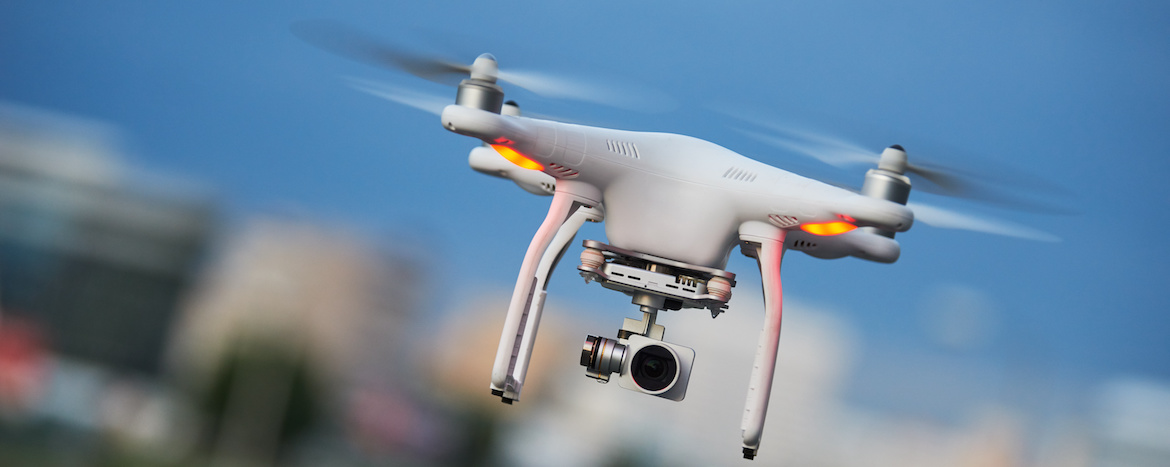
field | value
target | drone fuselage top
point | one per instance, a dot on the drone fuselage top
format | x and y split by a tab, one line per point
676	196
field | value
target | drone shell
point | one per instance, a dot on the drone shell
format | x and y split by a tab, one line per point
655	185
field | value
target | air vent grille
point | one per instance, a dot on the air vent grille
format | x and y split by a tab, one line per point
560	171
623	148
783	222
738	174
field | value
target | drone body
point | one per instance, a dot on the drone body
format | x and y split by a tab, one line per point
676	196
674	208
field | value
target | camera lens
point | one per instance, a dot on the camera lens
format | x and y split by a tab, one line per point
654	368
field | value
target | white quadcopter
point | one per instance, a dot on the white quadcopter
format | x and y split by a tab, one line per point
674	208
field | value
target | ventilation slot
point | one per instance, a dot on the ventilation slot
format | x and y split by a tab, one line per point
739	175
560	171
803	245
623	148
783	222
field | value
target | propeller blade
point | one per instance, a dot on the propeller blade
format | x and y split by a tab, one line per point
944	181
430	103
943	218
425	102
831	152
1000	185
347	42
595	91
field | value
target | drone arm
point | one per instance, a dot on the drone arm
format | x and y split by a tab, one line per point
489	127
766	244
485	160
566	215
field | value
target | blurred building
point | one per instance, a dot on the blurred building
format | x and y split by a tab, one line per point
94	256
294	326
131	321
329	294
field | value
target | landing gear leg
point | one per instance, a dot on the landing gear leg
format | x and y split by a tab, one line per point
766	245
566	215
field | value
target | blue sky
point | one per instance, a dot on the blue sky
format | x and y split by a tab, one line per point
1072	92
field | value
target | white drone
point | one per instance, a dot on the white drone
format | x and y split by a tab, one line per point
674	208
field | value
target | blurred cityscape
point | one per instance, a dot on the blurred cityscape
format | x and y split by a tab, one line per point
139	327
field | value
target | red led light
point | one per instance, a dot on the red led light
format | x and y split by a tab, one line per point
516	158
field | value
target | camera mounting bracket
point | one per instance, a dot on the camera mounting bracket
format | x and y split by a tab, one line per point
650	305
655	282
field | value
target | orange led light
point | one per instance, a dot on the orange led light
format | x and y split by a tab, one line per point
828	228
516	158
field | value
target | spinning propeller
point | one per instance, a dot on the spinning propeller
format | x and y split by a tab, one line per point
991	186
357	45
939	179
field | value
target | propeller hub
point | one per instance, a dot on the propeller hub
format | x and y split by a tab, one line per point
894	160
485	68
